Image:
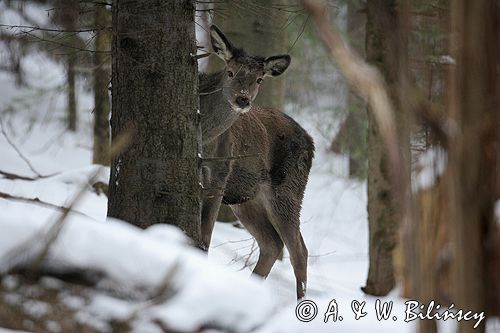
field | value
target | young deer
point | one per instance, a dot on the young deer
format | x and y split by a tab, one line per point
264	179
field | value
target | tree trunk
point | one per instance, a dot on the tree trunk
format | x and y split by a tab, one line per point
384	51
69	11
259	27
351	138
72	117
101	82
155	99
473	109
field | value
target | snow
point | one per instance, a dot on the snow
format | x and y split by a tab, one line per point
429	167
219	290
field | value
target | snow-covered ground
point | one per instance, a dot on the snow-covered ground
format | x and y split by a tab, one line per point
334	225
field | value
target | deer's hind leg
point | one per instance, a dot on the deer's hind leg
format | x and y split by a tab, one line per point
285	218
254	217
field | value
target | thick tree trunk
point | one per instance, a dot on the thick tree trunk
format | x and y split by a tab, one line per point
155	98
383	50
101	83
473	108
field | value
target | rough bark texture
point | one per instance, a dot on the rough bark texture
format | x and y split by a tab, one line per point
101	83
473	108
155	97
382	50
260	28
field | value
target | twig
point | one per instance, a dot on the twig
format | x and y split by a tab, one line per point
35	250
21	155
210	92
162	293
227	158
55	229
32	28
37	201
249	256
12	176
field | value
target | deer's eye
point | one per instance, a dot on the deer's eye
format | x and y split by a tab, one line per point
230	74
259	80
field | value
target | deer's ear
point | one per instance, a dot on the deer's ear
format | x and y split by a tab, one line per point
276	65
220	44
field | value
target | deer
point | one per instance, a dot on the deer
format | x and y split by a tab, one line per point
256	159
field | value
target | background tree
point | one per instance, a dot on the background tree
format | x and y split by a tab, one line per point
351	138
155	97
473	107
384	50
102	75
67	16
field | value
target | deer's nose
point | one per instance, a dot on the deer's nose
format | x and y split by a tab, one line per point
242	102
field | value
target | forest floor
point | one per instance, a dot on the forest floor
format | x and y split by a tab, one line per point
333	219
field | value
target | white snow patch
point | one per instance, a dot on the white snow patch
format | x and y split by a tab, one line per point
431	165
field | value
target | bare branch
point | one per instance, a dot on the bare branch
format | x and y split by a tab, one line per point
36	248
39	202
33	28
369	84
227	158
21	155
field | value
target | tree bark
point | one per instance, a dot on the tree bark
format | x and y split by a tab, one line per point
351	138
384	51
473	109
101	83
155	97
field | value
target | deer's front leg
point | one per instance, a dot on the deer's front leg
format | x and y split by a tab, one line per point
213	188
209	210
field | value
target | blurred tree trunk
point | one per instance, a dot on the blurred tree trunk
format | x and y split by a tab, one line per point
473	109
351	138
101	83
260	28
69	11
72	117
425	252
155	98
384	51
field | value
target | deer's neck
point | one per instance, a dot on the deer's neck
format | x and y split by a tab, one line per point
217	116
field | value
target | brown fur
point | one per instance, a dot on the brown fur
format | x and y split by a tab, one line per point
265	183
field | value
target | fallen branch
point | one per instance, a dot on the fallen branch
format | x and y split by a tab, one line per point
39	202
13	176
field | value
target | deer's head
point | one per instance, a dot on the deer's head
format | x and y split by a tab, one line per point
243	72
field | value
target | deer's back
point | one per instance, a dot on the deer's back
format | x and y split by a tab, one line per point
280	153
